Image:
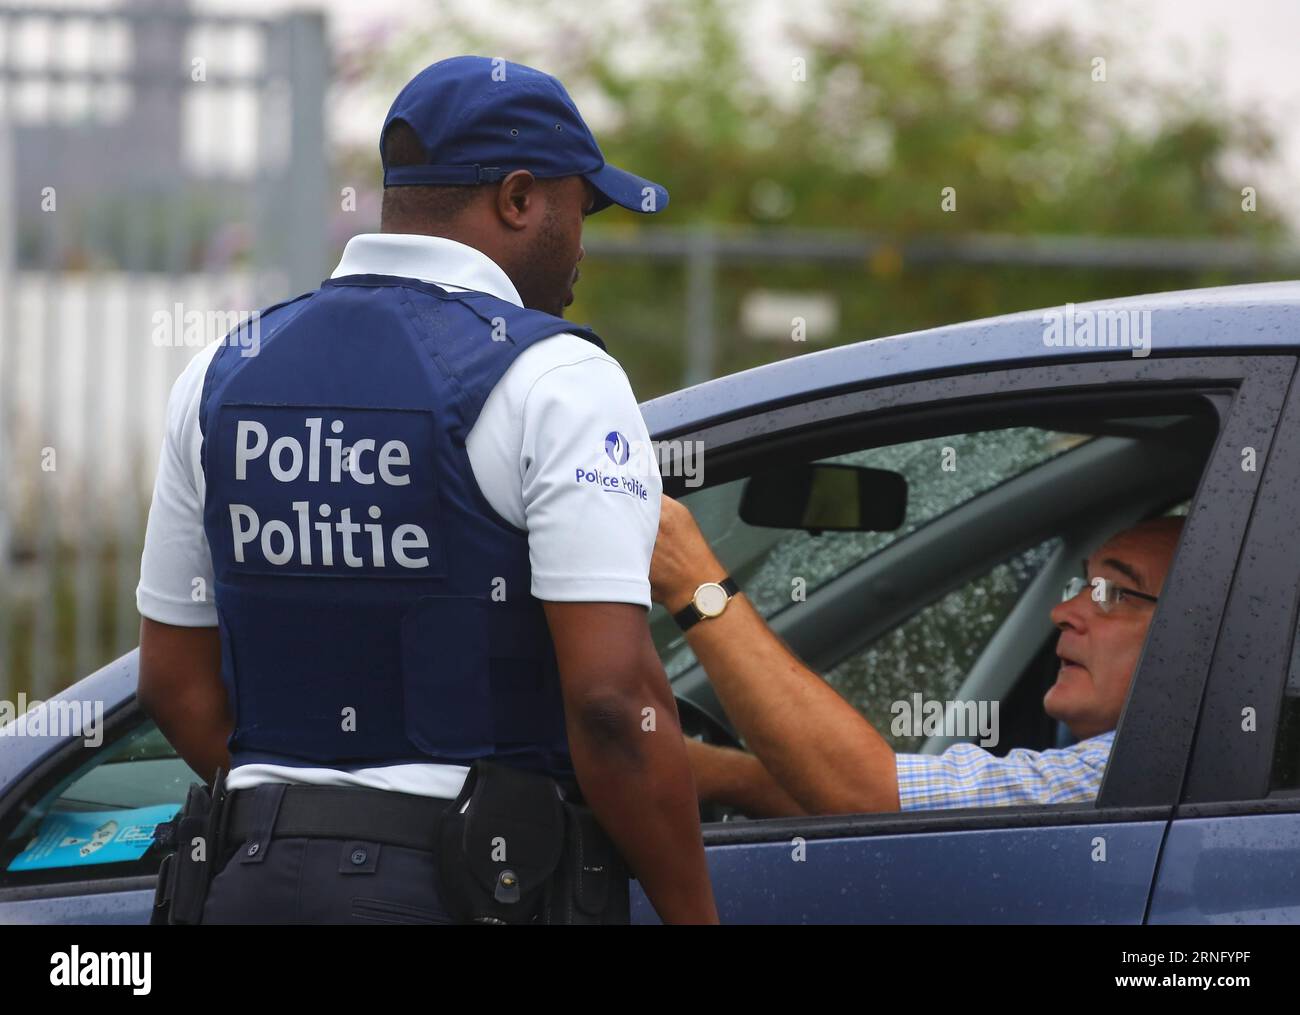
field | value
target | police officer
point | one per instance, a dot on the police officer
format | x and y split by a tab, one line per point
401	533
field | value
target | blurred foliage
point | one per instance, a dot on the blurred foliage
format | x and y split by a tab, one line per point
894	107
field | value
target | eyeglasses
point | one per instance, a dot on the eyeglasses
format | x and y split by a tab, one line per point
1106	594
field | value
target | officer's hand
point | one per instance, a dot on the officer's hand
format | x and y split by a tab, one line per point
682	558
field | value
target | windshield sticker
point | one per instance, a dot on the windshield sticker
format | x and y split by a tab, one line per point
78	838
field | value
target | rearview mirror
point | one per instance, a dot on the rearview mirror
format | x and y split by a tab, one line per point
825	498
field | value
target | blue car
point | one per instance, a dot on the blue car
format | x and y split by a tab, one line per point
1023	442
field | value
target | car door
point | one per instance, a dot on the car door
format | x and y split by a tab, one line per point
61	796
1072	863
1232	854
976	866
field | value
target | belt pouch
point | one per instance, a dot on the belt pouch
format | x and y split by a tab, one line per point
499	844
592	886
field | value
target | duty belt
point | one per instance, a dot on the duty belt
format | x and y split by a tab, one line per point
340	812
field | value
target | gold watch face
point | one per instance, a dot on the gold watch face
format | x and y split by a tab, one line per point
710	599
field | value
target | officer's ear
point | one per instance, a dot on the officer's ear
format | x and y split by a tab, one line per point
521	199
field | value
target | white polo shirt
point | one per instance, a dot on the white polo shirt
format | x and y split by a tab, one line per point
547	416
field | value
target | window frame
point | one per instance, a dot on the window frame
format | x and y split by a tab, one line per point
1160	714
1229	772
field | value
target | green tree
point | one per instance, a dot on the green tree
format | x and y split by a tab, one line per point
856	116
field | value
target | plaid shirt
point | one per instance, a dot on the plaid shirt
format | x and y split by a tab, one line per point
968	776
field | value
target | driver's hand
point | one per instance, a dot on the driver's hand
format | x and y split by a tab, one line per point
737	779
682	559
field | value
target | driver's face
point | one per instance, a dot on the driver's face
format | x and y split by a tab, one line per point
1099	651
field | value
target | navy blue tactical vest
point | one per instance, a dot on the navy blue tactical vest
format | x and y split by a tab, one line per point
373	608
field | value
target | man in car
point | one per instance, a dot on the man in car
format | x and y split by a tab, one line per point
813	753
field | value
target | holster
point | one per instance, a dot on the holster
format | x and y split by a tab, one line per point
512	850
194	837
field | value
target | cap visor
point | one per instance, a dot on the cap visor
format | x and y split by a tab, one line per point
622	188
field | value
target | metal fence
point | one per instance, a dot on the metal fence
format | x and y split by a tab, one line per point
705	251
155	164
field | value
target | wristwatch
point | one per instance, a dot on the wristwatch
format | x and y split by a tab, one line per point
710	600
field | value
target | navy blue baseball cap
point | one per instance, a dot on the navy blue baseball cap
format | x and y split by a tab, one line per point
481	118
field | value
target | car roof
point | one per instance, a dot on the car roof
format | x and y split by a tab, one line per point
1261	315
108	689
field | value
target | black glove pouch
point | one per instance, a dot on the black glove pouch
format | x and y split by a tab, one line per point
511	850
499	844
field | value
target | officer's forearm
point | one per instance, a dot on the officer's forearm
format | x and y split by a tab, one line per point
635	777
626	743
738	779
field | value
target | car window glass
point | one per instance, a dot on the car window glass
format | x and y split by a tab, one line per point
942	473
98	819
931	653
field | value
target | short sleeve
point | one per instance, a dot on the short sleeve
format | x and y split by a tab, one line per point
176	578
591	485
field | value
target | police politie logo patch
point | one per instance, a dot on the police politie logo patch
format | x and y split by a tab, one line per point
618	450
616	447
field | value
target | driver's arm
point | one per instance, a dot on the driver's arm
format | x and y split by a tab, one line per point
816	746
724	775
